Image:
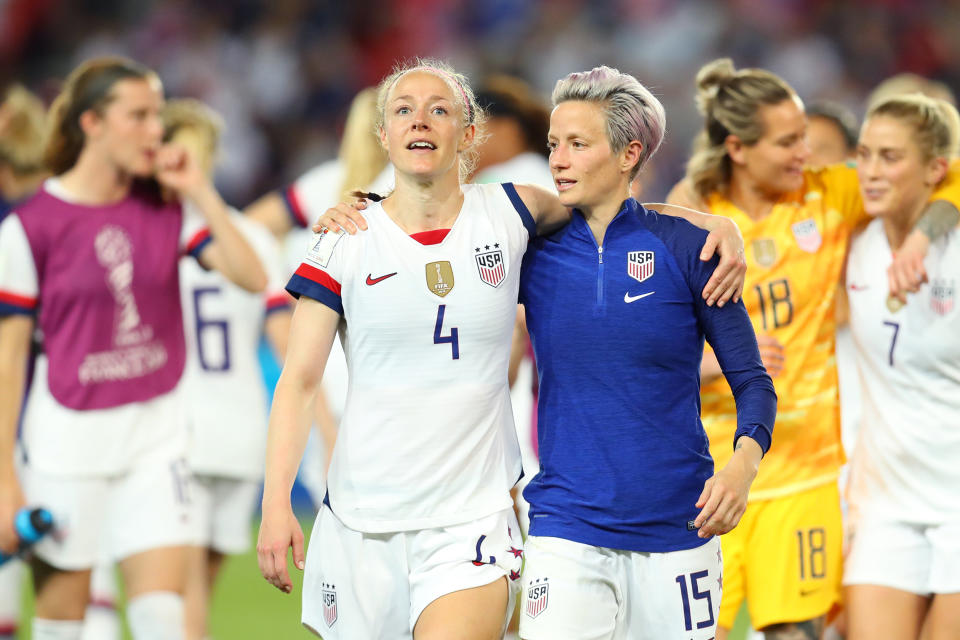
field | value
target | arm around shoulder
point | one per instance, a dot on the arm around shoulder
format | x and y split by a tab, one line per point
548	213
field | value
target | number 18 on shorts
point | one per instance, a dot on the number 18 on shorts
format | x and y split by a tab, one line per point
573	590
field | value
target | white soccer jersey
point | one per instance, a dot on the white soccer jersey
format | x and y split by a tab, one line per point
907	458
427	437
225	398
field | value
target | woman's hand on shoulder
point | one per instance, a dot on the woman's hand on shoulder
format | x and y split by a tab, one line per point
344	216
728	278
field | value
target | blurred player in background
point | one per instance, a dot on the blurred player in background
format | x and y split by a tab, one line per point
904	83
92	260
831	133
626	504
362	164
903	570
22	120
748	163
225	398
513	149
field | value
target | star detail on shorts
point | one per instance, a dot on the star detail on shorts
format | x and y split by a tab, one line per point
517	553
718	555
720	582
514	575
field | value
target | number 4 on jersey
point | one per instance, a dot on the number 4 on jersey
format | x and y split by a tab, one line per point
453	338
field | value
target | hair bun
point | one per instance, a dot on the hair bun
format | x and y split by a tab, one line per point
711	78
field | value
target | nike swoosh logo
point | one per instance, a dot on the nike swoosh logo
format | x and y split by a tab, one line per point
859	287
807	592
628	298
372	281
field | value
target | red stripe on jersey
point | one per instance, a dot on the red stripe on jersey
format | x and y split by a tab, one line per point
320	277
278	300
198	238
295	206
430	237
24	302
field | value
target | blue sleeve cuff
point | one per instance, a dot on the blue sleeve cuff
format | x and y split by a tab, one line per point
13	310
521	209
759	433
300	286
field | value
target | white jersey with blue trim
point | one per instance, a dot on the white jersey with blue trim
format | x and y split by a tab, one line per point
906	463
427	437
226	401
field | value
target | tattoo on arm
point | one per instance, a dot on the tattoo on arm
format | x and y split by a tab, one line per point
939	217
806	630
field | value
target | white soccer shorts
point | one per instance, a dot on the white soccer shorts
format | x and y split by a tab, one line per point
109	518
920	559
577	591
222	511
376	585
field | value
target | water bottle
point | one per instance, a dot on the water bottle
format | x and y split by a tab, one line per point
31	525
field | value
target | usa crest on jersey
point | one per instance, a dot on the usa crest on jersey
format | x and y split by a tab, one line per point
490	265
329	594
807	235
941	296
537	597
640	265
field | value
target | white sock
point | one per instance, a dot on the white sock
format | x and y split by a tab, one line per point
157	615
56	629
11	586
102	622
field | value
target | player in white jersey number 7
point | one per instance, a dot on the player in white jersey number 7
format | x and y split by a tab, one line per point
417	535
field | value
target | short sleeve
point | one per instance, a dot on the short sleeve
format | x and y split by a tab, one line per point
320	274
194	233
19	285
312	193
840	190
525	216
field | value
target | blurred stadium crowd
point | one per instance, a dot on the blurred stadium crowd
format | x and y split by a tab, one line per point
283	72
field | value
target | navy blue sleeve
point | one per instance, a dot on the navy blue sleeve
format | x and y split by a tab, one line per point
521	208
730	333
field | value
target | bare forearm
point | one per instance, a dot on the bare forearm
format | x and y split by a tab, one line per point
938	219
287	437
277	330
14	347
234	257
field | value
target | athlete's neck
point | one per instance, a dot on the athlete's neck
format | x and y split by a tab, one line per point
425	205
599	216
899	225
750	197
91	181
